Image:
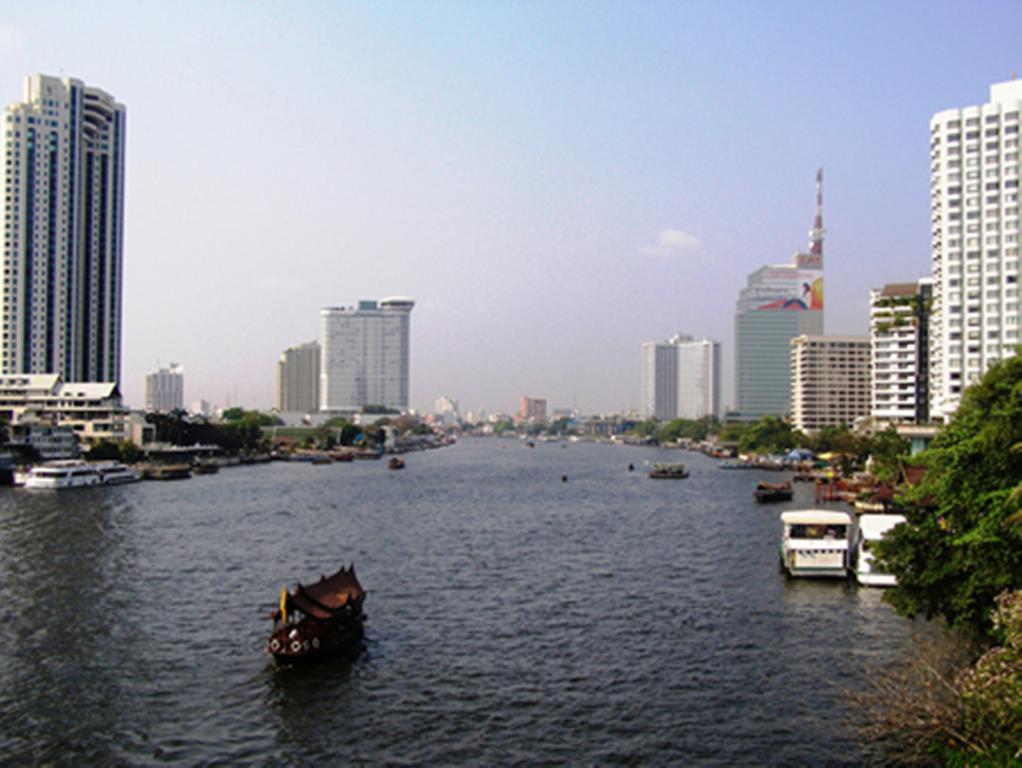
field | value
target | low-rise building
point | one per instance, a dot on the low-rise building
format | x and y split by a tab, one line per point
94	411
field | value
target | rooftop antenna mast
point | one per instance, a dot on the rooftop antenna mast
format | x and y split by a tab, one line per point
816	233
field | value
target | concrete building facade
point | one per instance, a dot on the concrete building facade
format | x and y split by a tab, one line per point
165	389
974	205
899	329
63	231
365	355
532	410
297	379
681	378
830	381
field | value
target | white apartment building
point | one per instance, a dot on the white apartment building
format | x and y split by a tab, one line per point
899	339
974	202
365	355
681	378
63	231
165	389
830	381
93	410
297	379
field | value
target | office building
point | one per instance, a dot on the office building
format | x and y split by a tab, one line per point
165	389
297	379
532	410
899	330
365	355
446	410
680	378
830	381
974	201
63	232
778	303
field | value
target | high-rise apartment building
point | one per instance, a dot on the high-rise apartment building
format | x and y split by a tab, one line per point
365	355
297	379
681	378
830	381
165	389
899	330
63	231
532	410
974	202
778	303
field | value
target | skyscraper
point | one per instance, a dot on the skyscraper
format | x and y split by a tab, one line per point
63	231
681	378
365	355
777	304
974	178
165	389
297	379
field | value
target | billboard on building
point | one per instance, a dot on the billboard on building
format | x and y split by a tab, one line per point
802	289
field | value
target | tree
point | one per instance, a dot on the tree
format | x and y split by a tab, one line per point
961	547
769	434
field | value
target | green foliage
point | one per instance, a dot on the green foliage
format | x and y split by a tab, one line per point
233	414
380	409
646	428
770	434
106	450
960	548
501	427
690	429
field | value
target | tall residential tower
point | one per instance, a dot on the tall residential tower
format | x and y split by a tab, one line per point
297	379
681	378
365	355
63	231
974	203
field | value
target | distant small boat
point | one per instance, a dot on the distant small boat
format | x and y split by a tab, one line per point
116	473
669	472
396	463
768	492
167	472
205	468
322	458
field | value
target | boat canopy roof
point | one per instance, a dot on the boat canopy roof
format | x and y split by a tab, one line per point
816	517
875	526
324	599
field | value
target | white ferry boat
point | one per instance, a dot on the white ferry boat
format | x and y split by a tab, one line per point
115	473
58	475
871	529
817	542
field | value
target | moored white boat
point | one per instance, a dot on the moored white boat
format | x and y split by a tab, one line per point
871	529
60	475
816	542
115	473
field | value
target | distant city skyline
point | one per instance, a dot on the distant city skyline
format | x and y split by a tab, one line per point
555	183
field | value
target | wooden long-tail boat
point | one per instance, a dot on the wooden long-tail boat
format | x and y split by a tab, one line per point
317	620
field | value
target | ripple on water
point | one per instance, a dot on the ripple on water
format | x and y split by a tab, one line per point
513	618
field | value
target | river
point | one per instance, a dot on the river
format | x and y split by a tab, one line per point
513	618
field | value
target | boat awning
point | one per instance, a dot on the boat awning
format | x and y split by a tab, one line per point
327	596
816	517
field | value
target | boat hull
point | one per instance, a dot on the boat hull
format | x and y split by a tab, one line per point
310	641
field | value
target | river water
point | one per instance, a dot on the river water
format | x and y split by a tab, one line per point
513	618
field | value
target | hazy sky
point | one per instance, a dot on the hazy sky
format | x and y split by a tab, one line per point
553	182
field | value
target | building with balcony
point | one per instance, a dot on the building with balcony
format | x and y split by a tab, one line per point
899	330
974	205
830	381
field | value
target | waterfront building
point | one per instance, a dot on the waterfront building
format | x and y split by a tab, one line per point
297	379
778	303
830	381
446	410
680	378
899	329
63	231
365	355
165	389
974	206
92	410
532	410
